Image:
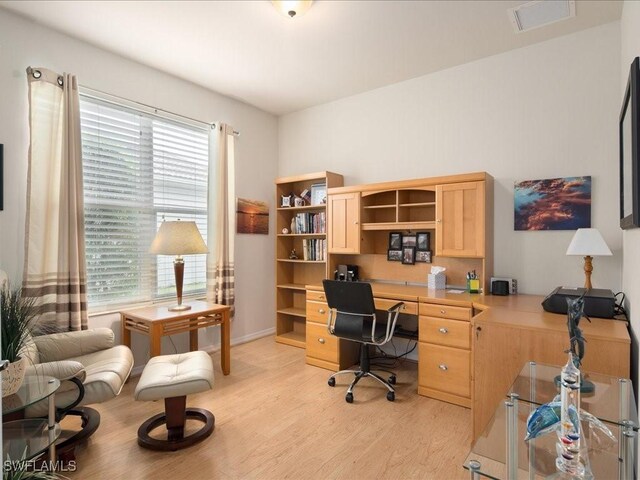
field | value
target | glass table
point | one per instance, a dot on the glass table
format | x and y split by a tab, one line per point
500	452
28	438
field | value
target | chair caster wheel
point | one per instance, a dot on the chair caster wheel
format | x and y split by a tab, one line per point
392	379
332	382
391	396
349	398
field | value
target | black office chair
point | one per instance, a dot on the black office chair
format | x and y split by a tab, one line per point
352	316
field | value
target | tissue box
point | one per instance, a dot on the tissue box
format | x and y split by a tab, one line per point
437	281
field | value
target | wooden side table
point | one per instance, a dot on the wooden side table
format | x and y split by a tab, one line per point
158	321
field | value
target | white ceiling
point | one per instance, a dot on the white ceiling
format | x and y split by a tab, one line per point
250	51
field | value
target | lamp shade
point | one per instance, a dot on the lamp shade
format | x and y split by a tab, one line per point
588	242
178	238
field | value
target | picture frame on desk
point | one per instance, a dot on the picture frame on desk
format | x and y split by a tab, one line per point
409	255
394	255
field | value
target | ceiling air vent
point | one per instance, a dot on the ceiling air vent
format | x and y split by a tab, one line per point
540	13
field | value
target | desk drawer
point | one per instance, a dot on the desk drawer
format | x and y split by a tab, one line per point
409	308
445	311
317	295
444	368
320	343
443	331
317	312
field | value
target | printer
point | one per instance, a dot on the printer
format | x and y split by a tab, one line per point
598	302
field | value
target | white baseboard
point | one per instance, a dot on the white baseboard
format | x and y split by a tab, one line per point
137	371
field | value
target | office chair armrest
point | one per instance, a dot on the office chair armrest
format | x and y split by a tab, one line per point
331	321
396	307
392	318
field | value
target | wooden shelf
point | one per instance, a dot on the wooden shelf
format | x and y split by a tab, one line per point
292	286
420	204
295	311
371	207
295	339
289	260
399	226
317	235
306	208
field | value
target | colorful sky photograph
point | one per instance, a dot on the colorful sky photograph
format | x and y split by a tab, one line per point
252	216
553	204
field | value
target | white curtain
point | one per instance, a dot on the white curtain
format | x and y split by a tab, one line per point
55	269
221	224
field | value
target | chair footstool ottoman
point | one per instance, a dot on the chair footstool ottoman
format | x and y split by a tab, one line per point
172	378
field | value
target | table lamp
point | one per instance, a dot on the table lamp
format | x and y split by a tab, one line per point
178	238
589	243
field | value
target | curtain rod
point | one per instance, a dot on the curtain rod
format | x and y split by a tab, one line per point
155	109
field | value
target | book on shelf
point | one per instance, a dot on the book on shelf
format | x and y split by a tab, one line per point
314	249
305	223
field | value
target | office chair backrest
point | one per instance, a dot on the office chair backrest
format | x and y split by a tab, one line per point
349	297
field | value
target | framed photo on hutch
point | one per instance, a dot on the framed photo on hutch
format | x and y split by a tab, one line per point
423	241
394	255
318	194
409	255
395	240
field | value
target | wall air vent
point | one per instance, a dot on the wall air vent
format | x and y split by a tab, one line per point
540	13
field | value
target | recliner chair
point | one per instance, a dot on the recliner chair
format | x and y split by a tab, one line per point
91	369
352	316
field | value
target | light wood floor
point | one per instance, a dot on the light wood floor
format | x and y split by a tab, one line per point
277	418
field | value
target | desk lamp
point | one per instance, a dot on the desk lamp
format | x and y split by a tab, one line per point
178	238
589	243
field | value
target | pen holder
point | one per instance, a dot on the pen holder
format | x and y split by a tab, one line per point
473	285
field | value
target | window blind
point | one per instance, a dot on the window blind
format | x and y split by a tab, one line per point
138	169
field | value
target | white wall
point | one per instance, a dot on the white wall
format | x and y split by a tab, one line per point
548	110
630	48
24	43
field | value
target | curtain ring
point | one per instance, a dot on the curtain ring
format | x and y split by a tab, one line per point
36	73
60	80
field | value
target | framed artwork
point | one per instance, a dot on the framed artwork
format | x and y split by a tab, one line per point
409	255
318	194
408	241
1	176
252	216
423	256
395	241
394	255
423	241
629	143
552	204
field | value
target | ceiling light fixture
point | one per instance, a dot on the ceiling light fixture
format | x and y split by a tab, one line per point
292	8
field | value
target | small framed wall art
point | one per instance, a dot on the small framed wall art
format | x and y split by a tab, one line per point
394	255
395	240
409	255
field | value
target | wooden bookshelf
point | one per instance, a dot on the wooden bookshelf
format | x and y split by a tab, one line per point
292	274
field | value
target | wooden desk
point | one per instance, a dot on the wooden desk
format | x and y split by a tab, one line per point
158	321
488	338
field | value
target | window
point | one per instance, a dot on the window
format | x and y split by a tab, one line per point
138	169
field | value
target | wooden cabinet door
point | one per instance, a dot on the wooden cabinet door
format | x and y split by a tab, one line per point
460	220
343	213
